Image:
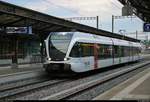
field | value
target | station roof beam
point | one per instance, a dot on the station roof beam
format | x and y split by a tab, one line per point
142	8
36	19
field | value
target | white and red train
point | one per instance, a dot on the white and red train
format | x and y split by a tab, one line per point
80	52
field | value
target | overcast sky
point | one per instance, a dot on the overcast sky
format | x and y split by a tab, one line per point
85	8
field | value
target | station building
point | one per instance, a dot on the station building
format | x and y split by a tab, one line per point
28	49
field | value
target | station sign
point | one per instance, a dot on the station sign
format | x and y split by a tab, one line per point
19	30
146	27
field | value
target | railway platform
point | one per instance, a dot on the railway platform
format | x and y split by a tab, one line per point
4	70
135	88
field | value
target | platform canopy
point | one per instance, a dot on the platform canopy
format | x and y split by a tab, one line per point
141	8
13	16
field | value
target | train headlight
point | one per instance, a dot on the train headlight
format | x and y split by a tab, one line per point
49	59
65	59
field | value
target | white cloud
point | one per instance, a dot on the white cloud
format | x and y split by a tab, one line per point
88	7
102	8
38	6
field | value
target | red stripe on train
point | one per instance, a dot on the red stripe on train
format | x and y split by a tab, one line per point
96	56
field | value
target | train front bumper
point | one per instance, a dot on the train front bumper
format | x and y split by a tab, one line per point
57	67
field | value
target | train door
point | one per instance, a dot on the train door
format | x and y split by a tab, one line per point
116	54
130	51
130	54
127	50
120	54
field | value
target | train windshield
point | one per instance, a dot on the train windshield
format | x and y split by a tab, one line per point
59	43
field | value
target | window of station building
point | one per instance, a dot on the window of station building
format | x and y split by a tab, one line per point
44	53
21	50
5	49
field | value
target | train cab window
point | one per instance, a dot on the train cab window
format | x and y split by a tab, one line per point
58	45
76	50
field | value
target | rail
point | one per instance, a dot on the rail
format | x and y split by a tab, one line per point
69	92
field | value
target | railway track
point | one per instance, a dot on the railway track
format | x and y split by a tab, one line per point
10	90
10	78
65	94
22	83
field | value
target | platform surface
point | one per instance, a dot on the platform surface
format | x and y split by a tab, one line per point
135	88
4	70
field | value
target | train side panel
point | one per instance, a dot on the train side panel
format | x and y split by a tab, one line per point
95	60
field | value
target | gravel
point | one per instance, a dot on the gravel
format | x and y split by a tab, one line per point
46	91
28	88
13	78
93	92
21	83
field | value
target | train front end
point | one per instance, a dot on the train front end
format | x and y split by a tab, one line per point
57	45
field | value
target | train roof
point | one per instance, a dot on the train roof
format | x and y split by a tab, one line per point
82	37
87	37
91	38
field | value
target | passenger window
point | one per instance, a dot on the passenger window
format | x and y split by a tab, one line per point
87	49
105	51
82	50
